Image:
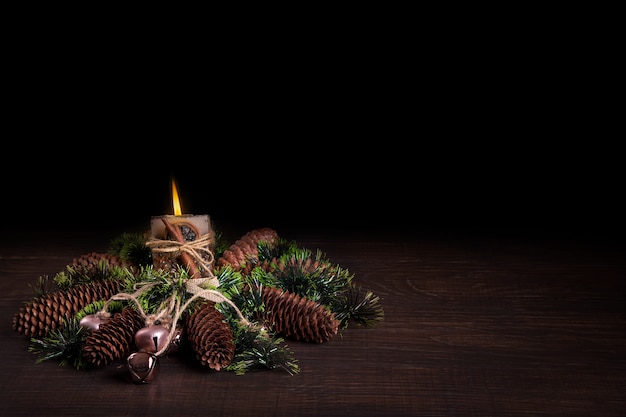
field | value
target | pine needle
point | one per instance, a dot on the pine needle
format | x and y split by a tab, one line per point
63	343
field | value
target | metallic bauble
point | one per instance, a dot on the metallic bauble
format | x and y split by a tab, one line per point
93	321
142	366
152	338
175	342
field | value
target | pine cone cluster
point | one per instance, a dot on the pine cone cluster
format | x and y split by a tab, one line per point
297	317
207	332
91	263
245	249
210	336
113	340
47	312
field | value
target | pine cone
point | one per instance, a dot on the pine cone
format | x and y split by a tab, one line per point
91	264
246	249
47	312
210	337
297	317
114	339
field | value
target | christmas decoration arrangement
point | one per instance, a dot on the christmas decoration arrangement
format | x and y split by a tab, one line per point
231	307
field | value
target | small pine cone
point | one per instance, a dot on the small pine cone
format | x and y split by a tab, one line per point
47	312
246	248
210	337
113	340
253	237
297	317
90	263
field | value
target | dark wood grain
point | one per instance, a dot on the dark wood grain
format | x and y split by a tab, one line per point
473	327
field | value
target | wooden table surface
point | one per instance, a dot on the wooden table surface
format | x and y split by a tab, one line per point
474	326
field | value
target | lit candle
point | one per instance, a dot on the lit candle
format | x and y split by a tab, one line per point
182	228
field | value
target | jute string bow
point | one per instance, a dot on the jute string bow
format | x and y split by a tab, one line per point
200	287
171	309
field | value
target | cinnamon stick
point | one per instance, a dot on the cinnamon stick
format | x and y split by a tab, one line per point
185	257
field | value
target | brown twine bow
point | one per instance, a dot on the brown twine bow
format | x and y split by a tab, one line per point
172	310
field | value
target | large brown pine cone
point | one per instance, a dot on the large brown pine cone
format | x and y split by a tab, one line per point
210	336
47	312
113	340
245	249
296	317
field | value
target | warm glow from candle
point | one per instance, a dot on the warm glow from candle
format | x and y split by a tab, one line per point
176	200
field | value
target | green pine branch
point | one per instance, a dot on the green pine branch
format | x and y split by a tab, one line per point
63	343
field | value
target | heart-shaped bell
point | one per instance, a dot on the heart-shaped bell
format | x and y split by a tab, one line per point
142	366
152	338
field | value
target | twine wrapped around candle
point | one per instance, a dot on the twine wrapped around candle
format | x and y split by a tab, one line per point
185	249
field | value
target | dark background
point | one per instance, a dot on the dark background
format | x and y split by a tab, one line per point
473	138
456	128
417	185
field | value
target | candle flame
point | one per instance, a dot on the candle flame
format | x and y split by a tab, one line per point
176	200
